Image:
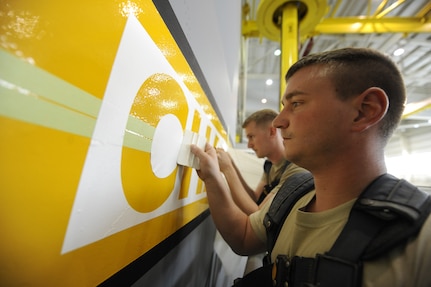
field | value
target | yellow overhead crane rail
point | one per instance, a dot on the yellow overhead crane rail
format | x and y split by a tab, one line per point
291	22
312	23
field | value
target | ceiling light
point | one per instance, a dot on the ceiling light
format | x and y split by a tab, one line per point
269	82
277	52
399	52
263	101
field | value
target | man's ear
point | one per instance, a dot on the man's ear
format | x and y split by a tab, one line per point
272	131
371	107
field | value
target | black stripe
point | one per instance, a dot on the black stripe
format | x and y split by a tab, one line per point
135	270
171	21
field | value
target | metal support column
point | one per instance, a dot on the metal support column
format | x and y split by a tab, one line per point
289	42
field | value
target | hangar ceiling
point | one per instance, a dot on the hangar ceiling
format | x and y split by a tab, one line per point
409	46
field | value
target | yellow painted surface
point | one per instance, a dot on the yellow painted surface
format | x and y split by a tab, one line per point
56	59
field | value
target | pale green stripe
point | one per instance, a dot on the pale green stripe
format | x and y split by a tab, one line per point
30	109
139	135
30	94
22	74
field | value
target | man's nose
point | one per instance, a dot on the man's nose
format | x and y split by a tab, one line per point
280	120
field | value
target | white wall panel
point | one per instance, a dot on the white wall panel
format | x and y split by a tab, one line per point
213	29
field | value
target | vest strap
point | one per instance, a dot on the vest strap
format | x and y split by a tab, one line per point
387	214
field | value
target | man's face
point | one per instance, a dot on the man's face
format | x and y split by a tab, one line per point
314	123
258	138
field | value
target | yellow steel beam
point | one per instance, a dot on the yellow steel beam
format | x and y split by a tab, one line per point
424	10
390	8
335	9
269	14
413	108
289	42
250	29
373	25
381	6
353	25
369	7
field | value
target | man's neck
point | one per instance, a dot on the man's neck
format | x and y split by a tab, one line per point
276	158
335	186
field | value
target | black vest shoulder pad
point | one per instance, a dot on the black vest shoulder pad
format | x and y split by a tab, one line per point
397	207
295	187
402	208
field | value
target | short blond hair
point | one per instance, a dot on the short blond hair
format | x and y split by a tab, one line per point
261	118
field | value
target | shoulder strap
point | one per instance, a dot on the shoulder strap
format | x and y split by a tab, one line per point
267	166
292	189
267	169
270	185
387	213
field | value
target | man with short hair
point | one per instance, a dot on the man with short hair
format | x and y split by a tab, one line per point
266	141
339	109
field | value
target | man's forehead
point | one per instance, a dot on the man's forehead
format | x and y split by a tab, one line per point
250	126
253	127
303	78
315	70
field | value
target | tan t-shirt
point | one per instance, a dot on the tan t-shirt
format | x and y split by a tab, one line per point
276	169
306	234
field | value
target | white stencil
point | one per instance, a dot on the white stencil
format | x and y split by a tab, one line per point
185	156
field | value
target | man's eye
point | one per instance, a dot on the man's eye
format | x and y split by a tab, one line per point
295	104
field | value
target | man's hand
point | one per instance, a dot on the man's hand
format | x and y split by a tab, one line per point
224	159
209	167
